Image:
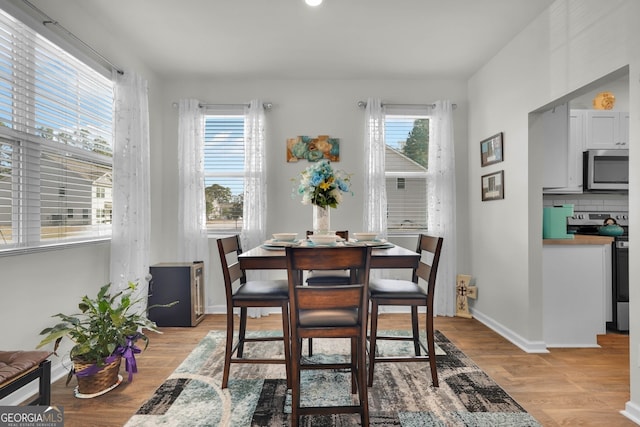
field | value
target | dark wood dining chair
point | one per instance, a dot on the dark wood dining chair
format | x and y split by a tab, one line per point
408	293
329	311
257	293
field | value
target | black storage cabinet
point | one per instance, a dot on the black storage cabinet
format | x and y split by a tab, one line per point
182	282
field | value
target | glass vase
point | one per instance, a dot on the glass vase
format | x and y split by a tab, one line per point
321	219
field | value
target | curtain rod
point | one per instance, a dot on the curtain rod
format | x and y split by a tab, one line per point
363	104
51	21
265	105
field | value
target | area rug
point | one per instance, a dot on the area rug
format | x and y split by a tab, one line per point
257	395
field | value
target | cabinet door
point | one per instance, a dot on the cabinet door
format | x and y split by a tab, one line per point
554	128
606	130
564	143
623	136
576	147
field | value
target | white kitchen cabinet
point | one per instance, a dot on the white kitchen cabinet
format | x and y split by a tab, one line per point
605	129
576	294
563	135
576	147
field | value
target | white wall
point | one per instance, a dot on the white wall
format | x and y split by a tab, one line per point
300	107
567	47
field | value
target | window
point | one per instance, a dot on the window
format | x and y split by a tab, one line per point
55	142
224	169
406	160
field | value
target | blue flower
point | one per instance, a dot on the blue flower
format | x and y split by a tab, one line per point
322	186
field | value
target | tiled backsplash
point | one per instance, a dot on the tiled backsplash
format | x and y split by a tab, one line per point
590	202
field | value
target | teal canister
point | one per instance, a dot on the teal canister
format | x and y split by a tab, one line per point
554	222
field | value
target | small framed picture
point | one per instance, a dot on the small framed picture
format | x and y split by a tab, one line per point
491	150
493	186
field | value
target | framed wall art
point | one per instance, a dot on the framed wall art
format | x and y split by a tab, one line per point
313	149
491	150
493	186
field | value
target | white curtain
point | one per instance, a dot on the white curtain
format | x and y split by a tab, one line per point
375	189
131	200
192	225
441	203
254	215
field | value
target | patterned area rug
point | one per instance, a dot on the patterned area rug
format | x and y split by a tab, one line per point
257	395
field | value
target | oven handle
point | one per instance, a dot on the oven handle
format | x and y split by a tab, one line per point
621	244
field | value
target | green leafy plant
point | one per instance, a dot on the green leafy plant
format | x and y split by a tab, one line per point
107	324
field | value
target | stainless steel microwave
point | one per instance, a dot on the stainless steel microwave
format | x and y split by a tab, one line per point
606	170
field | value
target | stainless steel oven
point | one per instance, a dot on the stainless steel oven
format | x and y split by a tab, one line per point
588	223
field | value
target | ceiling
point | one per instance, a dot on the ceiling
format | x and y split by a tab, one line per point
286	39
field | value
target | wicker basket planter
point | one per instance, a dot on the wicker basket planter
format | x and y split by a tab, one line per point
102	381
106	328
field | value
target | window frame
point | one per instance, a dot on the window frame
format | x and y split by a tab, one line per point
213	172
392	177
85	144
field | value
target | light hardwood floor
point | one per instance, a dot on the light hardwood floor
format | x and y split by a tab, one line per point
566	387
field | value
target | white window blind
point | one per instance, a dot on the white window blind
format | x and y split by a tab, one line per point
407	139
224	168
55	143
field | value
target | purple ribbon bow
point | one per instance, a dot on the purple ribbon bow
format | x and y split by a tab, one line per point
127	352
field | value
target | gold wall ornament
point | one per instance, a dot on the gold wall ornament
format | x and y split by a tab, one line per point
604	101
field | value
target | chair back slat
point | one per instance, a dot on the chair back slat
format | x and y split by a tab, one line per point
229	248
328	297
423	271
327	258
235	273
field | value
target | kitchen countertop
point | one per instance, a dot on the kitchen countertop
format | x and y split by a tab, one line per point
580	239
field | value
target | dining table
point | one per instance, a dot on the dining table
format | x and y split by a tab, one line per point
261	258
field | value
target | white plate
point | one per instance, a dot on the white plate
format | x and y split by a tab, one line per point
382	243
281	243
273	248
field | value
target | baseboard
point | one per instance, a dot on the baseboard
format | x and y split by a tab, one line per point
632	411
20	396
524	344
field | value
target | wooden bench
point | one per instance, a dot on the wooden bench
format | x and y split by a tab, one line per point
19	368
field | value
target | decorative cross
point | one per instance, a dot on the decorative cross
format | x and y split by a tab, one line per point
464	291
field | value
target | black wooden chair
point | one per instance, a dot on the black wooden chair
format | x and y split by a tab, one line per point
258	293
329	311
408	293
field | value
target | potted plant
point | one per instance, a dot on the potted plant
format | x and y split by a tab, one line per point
106	330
